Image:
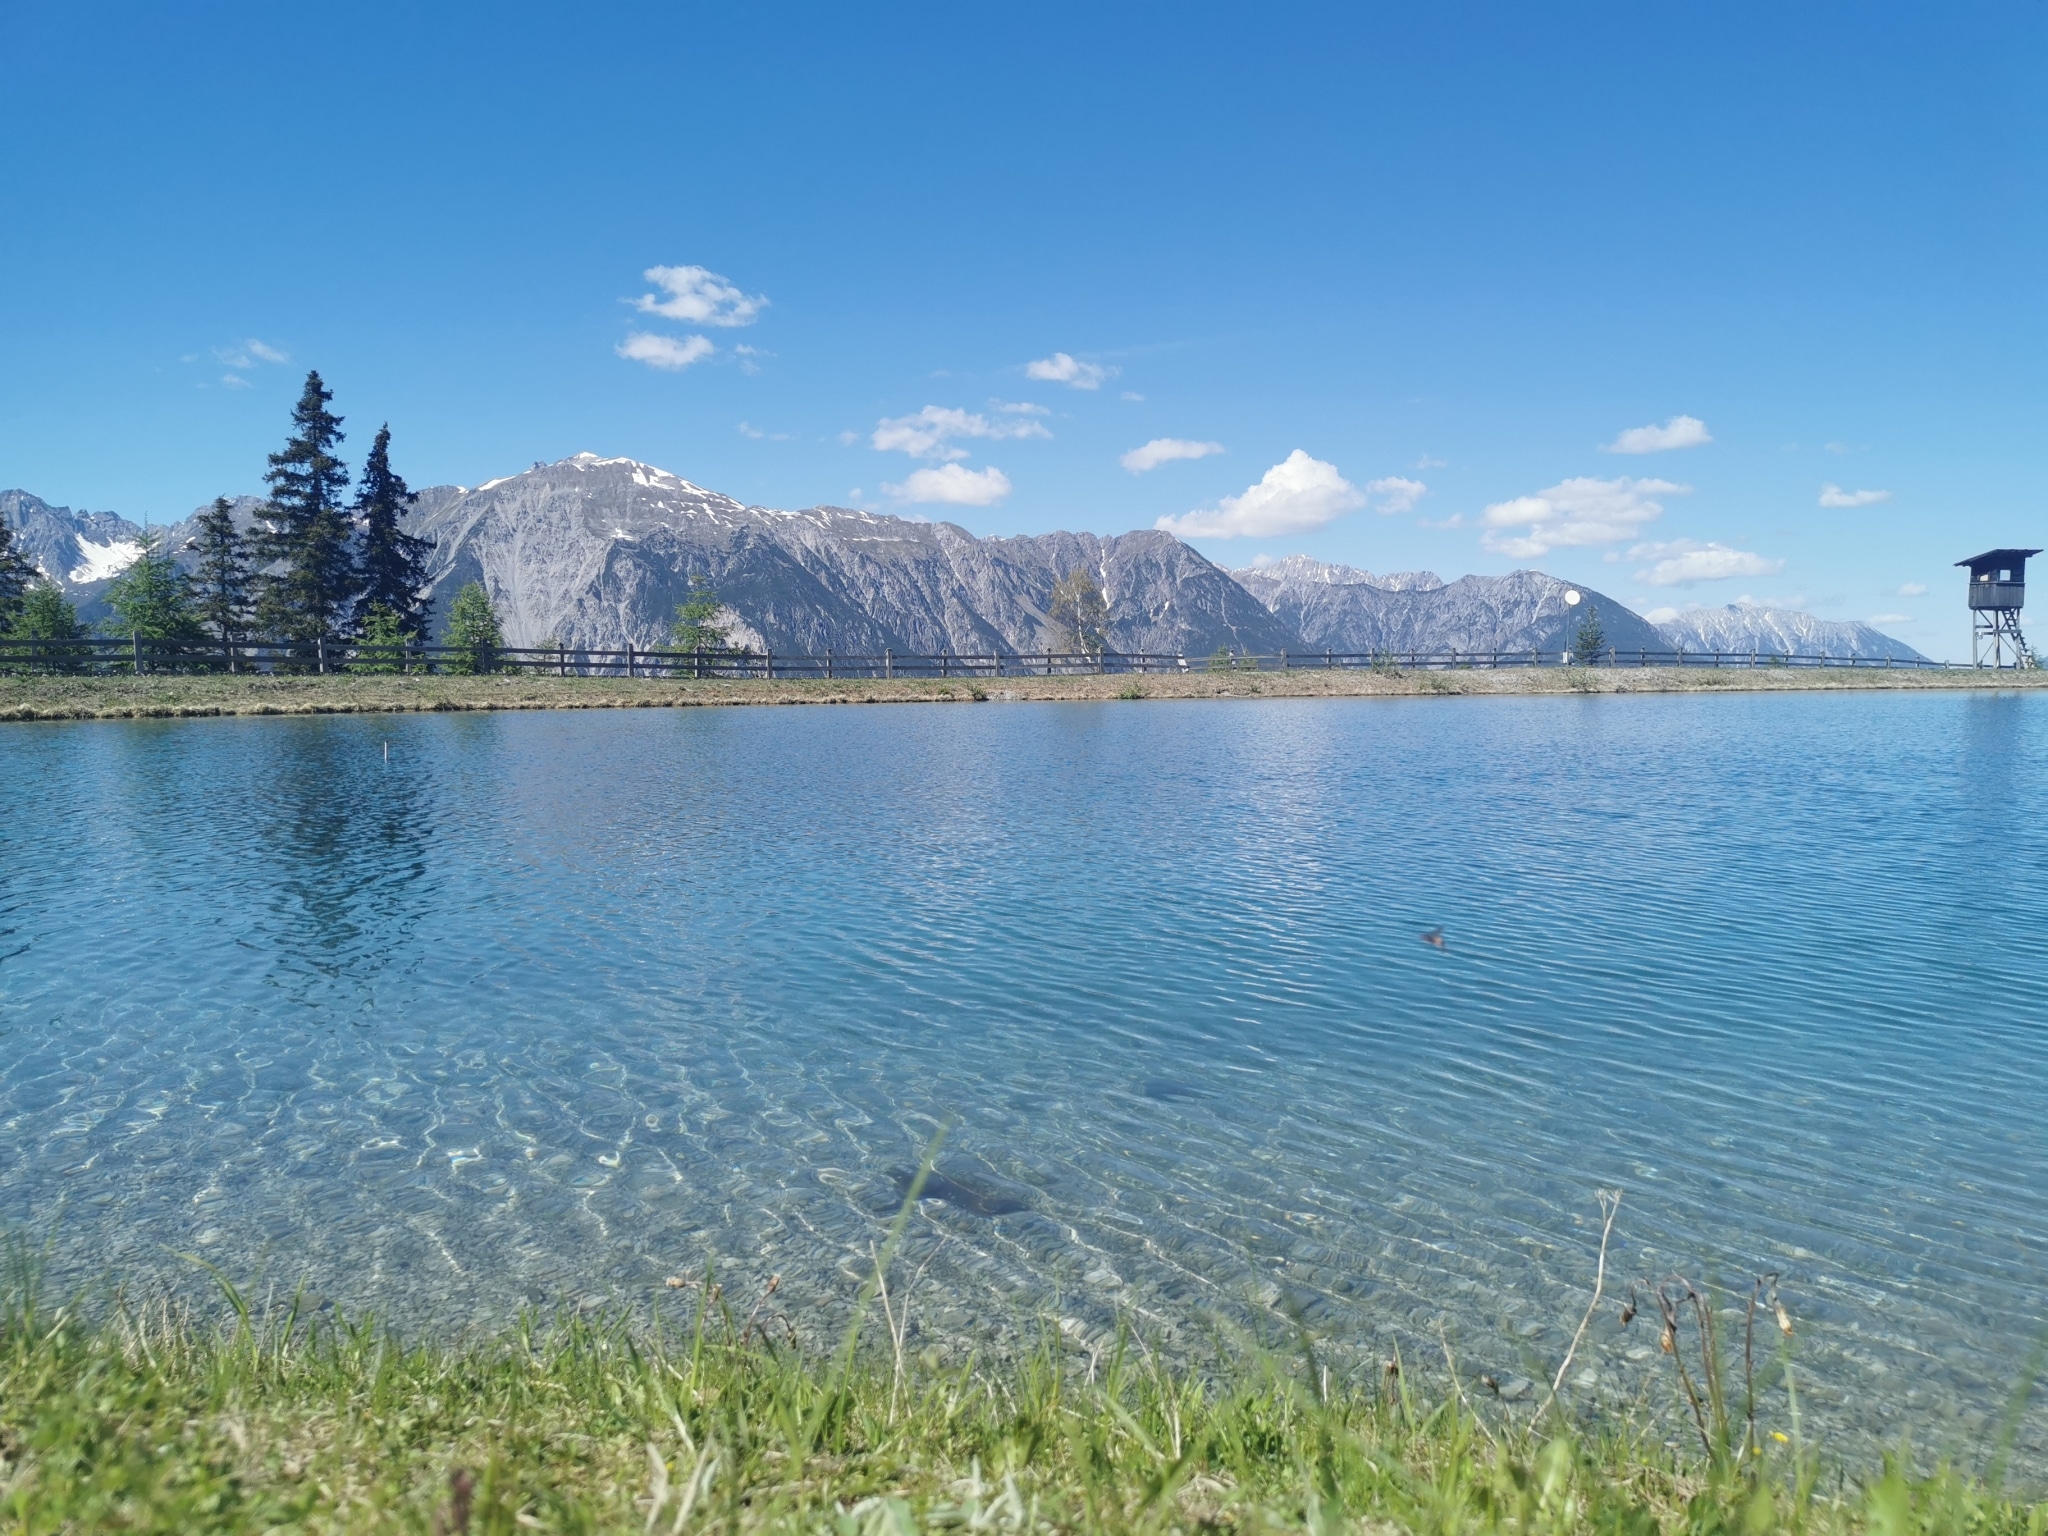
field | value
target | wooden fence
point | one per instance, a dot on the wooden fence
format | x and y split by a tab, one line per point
136	655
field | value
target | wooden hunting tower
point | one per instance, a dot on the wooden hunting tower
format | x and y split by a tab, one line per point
1998	590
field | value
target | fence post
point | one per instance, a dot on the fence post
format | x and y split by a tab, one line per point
888	662
768	663
997	658
135	637
1283	661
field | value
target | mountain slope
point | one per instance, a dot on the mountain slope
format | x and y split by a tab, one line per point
1748	627
599	552
1340	608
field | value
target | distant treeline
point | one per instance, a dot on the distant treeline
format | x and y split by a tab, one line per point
315	568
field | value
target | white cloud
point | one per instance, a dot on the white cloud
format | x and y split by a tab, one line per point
928	434
1575	514
250	354
1426	462
1164	450
1392	495
1019	408
1678	432
1295	495
748	429
1661	615
1832	495
953	485
1681	562
1062	369
1132	394
234	381
699	297
669	353
1891	618
1913	589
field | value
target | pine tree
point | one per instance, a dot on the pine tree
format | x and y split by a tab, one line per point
392	565
1591	639
1079	613
309	600
473	626
693	629
152	598
224	583
15	575
46	614
380	635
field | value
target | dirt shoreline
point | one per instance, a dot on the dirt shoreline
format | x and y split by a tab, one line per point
128	698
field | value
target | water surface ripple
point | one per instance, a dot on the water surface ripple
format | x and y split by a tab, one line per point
552	1006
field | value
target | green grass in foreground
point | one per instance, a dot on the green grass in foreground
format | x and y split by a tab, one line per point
152	1421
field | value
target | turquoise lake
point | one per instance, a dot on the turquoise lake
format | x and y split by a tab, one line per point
546	1008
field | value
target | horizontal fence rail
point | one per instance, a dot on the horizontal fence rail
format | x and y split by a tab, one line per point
134	655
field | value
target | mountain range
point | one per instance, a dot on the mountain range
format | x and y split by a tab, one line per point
596	552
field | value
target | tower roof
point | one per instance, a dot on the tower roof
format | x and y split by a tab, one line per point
1998	557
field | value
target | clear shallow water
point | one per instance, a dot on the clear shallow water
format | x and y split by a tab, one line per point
553	1006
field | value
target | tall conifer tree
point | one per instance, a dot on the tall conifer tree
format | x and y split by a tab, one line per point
310	598
392	567
223	585
15	575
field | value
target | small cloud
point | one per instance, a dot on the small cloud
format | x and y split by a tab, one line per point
249	354
1846	447
1132	394
1661	615
1891	618
1681	562
698	296
1832	495
1678	432
748	429
848	439
1019	408
1392	495
1575	514
669	353
1165	450
1455	520
234	381
1913	589
1426	462
1062	369
953	485
928	434
1262	560
1295	495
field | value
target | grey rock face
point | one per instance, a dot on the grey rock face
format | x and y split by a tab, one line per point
599	552
1339	608
1743	628
75	550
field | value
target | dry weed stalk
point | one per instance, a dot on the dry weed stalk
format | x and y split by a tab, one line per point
1610	1204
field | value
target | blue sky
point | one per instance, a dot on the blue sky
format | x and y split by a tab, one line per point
1417	270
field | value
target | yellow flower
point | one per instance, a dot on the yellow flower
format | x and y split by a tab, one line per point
1779	1436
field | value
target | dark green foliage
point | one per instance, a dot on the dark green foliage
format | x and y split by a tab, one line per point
152	599
391	566
693	629
15	574
381	641
473	625
223	585
310	598
1591	639
46	614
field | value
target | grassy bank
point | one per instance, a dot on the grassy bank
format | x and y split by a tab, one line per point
151	1421
87	698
